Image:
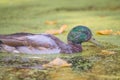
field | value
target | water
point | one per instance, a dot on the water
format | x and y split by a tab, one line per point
29	67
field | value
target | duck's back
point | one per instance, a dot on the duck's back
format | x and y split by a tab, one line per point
33	43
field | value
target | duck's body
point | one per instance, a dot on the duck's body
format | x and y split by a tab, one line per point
34	44
45	43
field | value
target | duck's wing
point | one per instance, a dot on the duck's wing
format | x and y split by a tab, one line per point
17	39
27	39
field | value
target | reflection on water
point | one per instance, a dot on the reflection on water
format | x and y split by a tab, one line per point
15	67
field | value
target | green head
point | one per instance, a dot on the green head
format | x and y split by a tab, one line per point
80	34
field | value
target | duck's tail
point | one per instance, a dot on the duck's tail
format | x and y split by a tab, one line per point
1	36
1	45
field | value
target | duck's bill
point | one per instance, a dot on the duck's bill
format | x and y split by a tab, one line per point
92	40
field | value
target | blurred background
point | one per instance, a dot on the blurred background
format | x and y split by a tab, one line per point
31	15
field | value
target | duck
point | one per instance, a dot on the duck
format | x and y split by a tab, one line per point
43	43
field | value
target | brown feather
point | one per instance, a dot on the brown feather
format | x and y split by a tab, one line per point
19	39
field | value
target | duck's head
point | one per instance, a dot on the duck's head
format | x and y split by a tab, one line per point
81	34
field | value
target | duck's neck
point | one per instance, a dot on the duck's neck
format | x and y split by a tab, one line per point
75	47
70	48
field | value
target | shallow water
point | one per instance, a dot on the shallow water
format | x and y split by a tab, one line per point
29	67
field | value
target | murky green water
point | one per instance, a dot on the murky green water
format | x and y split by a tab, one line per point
29	67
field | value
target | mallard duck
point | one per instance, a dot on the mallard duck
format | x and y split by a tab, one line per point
45	43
